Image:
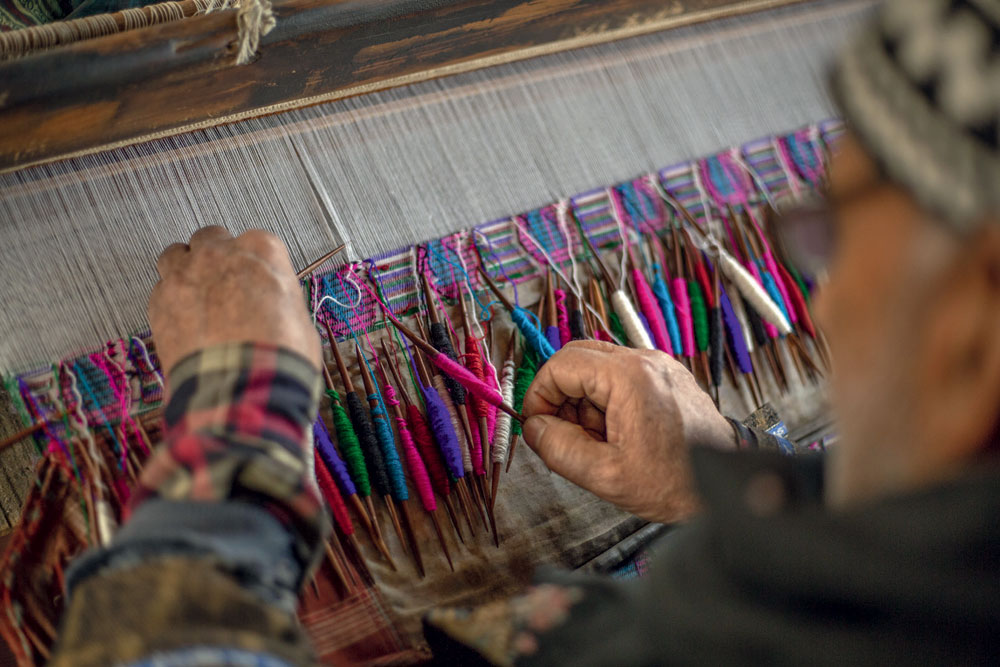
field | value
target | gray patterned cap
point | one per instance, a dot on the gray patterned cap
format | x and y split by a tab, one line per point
920	87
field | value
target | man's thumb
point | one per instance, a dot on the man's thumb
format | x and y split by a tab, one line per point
566	448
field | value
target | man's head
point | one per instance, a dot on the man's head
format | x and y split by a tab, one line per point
912	306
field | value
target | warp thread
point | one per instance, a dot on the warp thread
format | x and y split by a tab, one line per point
635	331
735	334
562	317
532	335
650	307
715	345
418	471
369	443
331	494
349	445
387	444
429	452
501	440
441	341
328	454
443	428
662	294
683	307
699	315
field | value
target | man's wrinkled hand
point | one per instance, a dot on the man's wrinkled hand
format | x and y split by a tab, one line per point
220	289
618	422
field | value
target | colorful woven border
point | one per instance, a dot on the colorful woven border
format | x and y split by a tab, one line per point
120	381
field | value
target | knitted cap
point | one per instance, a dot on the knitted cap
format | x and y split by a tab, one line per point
921	90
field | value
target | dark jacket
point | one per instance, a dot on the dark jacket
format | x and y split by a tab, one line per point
768	576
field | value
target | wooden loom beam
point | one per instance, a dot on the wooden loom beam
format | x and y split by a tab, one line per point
175	77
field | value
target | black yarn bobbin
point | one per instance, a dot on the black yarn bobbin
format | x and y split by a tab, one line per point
756	325
576	328
369	443
715	345
442	343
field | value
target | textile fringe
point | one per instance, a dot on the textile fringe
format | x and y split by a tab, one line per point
254	19
496	243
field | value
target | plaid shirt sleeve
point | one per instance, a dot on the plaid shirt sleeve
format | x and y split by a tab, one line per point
223	529
236	422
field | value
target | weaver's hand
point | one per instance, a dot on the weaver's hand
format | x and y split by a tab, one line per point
219	289
618	422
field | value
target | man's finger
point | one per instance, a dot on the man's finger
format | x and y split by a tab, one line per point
599	345
575	371
568	449
590	417
210	234
170	258
268	247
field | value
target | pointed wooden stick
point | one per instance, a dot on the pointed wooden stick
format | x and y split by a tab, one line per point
496	290
431	351
353	498
345	377
359	560
373	404
28	431
425	374
315	265
497	467
338	549
467	499
397	376
463	416
441	540
483	425
399	415
337	569
605	272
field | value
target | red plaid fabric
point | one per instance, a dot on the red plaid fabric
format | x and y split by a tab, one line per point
236	423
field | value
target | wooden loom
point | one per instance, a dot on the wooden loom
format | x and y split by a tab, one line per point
180	76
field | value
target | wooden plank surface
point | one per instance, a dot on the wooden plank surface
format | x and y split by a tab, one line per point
17	466
179	76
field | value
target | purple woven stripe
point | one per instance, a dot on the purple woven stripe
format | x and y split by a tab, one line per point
496	243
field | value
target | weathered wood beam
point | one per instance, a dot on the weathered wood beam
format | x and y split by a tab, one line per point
176	77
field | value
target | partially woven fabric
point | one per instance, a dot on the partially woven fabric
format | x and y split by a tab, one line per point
386	620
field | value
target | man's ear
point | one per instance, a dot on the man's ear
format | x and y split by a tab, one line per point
961	379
